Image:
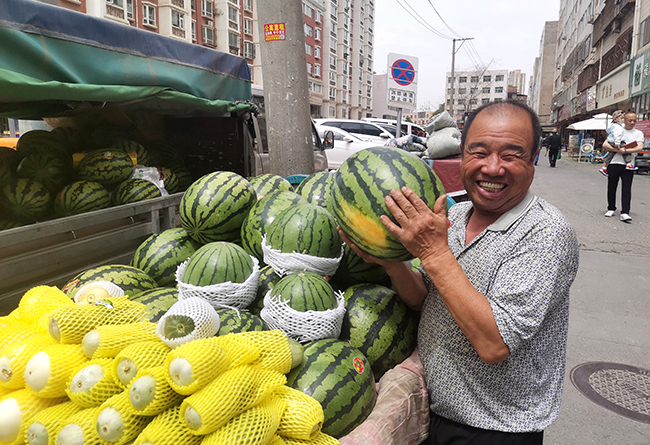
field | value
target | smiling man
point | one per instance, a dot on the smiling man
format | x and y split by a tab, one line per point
493	288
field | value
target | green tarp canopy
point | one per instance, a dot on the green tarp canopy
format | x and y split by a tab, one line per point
54	61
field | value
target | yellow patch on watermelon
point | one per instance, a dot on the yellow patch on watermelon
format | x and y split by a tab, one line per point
371	231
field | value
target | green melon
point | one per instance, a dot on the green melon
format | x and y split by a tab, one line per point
134	190
354	270
27	200
380	325
157	300
260	217
359	189
40	142
316	188
214	207
340	378
268	279
267	183
107	167
131	147
170	180
307	229
218	262
81	197
305	291
231	322
50	170
132	280
106	135
161	254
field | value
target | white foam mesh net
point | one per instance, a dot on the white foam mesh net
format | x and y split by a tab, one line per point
229	295
284	263
205	317
303	326
113	289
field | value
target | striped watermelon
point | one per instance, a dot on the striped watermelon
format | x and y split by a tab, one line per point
316	188
80	197
268	279
307	229
107	167
134	190
69	138
157	300
170	180
216	263
39	142
358	192
267	183
305	291
214	207
231	322
183	176
131	147
261	216
354	270
161	253
132	280
380	325
6	224
6	171
340	378
27	200
50	170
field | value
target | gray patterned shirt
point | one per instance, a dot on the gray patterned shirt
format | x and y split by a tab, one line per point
524	263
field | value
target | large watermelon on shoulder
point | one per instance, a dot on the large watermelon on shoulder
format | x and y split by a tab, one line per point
340	378
50	170
161	254
157	300
307	229
305	291
214	207
81	197
107	167
267	183
26	200
268	279
231	321
359	189
134	190
260	217
316	188
218	262
379	324
132	280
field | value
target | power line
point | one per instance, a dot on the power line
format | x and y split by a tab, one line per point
421	21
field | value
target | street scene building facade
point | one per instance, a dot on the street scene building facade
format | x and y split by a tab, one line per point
540	95
471	89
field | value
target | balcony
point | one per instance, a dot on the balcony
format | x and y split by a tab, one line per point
114	11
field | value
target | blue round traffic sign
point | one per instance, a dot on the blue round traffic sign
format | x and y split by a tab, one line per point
403	72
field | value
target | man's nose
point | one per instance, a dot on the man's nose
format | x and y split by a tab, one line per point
493	165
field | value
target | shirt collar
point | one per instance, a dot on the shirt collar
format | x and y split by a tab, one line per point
506	220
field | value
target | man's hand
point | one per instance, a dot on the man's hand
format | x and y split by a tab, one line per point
421	231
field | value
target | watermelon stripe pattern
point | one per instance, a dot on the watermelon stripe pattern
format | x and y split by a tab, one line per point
161	254
267	183
135	190
80	197
316	188
107	167
27	200
354	270
214	207
132	147
132	280
358	192
305	291
268	279
340	379
216	263
158	301
306	229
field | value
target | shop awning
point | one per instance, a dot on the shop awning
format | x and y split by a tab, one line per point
598	122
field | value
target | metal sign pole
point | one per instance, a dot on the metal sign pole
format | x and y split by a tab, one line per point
398	132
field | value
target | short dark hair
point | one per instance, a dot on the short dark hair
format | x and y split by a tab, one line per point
534	121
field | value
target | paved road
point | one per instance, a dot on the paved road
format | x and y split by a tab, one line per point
610	299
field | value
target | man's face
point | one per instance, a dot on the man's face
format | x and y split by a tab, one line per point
630	121
497	165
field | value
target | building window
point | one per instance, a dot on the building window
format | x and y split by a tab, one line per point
318	17
206	8
317	70
308	68
332	76
309	31
193	30
149	15
309	49
129	9
332	110
487	78
498	89
178	19
499	78
498	99
448	79
462	79
248	5
192	5
317	51
333	62
307	11
208	35
462	90
249	50
248	27
485	101
474	79
486	90
332	93
119	3
233	40
332	45
317	33
233	16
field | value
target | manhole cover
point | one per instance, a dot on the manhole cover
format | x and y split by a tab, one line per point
620	388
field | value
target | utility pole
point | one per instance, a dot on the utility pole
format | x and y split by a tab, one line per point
286	92
453	66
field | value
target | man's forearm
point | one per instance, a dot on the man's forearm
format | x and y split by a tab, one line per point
408	284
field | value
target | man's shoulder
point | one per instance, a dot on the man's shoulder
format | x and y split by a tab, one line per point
546	214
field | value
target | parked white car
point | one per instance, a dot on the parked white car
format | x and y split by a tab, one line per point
363	130
345	144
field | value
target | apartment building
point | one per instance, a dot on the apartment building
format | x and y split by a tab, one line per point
540	95
471	89
518	80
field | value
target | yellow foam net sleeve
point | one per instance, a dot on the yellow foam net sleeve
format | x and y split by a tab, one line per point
116	421
4	392
69	324
48	371
114	338
18	409
227	396
150	394
80	429
274	349
168	428
38	303
141	355
92	383
45	425
255	426
276	440
303	418
14	332
193	365
14	358
242	351
320	439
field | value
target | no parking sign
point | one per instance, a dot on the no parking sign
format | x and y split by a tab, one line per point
402	81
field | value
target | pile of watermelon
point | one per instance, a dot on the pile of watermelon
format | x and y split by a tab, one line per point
39	180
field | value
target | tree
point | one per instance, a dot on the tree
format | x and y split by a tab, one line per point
408	119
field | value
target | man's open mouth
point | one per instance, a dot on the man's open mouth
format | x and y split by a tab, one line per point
491	187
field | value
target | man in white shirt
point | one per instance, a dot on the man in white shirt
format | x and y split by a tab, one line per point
617	168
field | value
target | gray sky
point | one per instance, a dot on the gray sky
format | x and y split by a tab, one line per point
506	33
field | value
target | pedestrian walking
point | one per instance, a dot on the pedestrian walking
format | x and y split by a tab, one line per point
554	143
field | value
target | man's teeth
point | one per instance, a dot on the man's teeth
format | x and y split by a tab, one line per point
491	186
